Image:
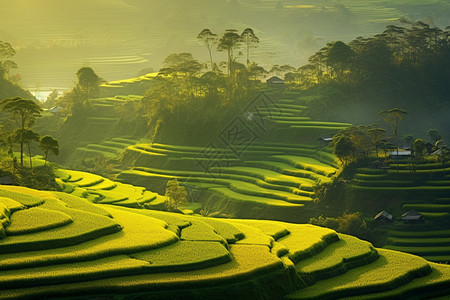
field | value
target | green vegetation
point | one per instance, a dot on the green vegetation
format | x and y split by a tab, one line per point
222	143
157	252
36	219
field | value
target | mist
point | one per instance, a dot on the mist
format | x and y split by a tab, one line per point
118	38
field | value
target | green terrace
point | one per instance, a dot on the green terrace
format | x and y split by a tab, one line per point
55	244
268	175
109	149
423	187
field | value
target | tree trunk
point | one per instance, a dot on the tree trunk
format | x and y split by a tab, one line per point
21	152
29	153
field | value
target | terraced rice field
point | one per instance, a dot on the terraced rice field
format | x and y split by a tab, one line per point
107	250
98	189
108	149
265	175
427	191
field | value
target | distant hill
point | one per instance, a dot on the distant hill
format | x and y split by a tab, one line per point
9	89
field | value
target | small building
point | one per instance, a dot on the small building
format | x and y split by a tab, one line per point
275	81
412	217
55	109
383	217
325	141
402	154
7	180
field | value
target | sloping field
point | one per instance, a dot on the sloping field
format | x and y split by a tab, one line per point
98	189
160	255
108	149
426	190
267	175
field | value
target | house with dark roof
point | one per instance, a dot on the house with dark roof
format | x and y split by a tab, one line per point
412	217
7	180
275	81
324	141
383	217
401	154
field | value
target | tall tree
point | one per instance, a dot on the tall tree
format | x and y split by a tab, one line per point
209	39
250	40
434	135
88	81
339	57
6	52
344	149
24	112
175	194
376	135
393	116
228	42
28	136
49	145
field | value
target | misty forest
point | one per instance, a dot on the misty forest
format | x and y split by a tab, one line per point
224	149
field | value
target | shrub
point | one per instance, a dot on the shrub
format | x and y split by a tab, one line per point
175	195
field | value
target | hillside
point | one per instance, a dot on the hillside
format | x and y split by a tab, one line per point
8	89
58	245
274	174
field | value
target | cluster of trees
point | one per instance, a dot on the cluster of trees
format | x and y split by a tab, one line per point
6	64
23	113
374	58
75	102
230	41
357	143
406	67
348	223
188	101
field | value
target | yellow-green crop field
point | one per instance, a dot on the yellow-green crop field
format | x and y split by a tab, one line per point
57	245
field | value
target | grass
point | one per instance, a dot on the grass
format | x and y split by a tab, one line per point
139	233
306	163
434	285
286	169
390	271
81	204
347	253
253	236
420	234
419	241
268	176
185	256
249	263
85	226
428	207
307	240
200	231
231	195
274	229
36	219
87	179
80	271
421	250
24	196
225	229
159	252
11	204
